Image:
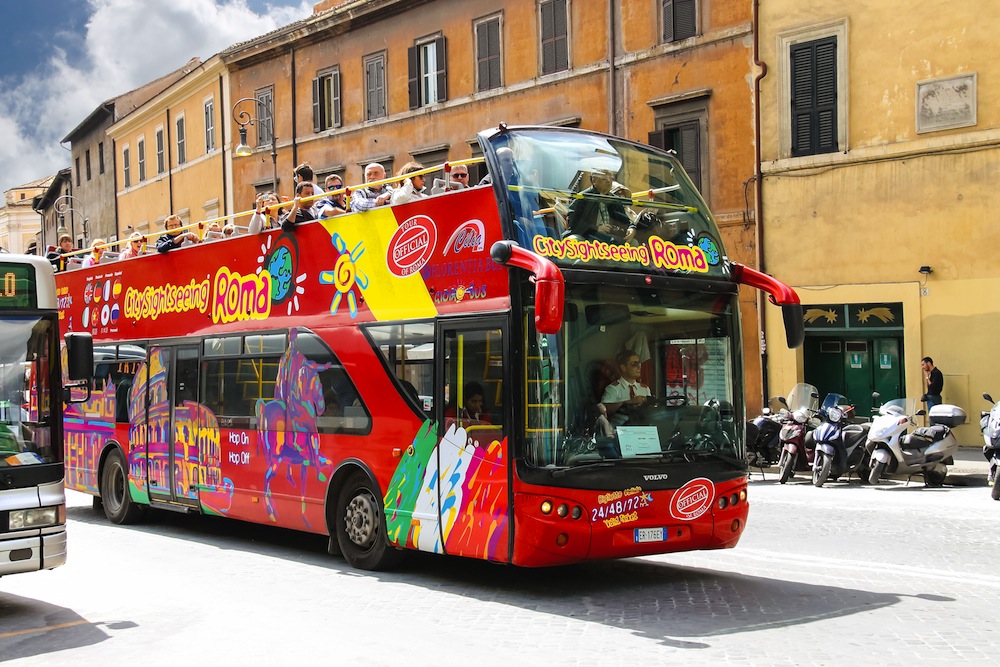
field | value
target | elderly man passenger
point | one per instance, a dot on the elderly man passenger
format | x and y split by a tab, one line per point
368	198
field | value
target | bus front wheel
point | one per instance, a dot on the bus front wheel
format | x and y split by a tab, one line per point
118	504
360	526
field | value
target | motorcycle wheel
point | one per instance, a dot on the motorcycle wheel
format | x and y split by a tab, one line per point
821	471
876	474
785	464
934	478
995	491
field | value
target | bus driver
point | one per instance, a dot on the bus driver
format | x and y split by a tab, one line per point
626	390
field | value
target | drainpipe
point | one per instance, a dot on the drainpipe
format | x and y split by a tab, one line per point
758	193
612	98
295	134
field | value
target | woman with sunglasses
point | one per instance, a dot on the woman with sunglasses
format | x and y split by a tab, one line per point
133	248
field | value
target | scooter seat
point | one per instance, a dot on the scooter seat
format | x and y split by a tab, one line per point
925	435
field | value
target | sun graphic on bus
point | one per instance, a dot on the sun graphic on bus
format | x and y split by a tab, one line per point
345	275
280	261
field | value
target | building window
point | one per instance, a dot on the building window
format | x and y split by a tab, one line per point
77	171
86	160
160	162
682	127
680	19
375	86
100	157
126	167
814	97
181	141
140	148
209	125
265	118
427	72
326	100
813	90
555	42
488	58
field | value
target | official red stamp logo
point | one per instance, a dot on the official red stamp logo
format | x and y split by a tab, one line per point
692	500
411	246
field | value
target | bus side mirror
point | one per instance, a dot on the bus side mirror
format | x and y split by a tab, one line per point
80	355
779	294
549	285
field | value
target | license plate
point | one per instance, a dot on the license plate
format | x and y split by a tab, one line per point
650	535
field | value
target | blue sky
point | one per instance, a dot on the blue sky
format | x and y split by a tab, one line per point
61	58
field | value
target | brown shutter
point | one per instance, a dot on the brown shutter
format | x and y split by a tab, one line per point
413	76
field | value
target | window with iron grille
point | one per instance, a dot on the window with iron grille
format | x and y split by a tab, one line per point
488	59
326	99
680	19
427	73
554	36
814	97
375	86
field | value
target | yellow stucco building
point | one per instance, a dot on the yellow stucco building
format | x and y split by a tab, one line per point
879	140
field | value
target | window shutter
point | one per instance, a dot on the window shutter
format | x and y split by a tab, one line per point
335	91
814	97
413	76
668	20
317	109
658	139
690	151
548	38
685	23
482	57
561	31
493	49
442	71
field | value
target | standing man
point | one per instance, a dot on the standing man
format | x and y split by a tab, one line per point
935	383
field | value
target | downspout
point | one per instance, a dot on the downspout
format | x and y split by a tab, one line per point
758	196
114	184
295	147
612	97
223	105
170	170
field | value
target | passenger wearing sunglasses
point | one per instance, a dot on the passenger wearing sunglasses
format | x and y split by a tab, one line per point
460	175
626	391
133	248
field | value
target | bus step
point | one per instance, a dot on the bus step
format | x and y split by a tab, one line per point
172	507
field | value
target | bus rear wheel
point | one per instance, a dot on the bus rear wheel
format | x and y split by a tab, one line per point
118	504
359	523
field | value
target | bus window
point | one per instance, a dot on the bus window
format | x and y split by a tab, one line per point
226	346
343	410
474	383
264	344
408	352
232	387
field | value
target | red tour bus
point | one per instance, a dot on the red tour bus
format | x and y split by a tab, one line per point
447	375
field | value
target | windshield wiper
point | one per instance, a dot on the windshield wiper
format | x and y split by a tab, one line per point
583	466
711	453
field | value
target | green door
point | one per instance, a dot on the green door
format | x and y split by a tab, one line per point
854	367
858	375
888	368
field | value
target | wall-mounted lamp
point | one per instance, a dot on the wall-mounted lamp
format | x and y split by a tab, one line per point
926	270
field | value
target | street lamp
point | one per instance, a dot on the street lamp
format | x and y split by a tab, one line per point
244	118
61	207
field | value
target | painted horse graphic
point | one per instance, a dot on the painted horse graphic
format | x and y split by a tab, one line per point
286	424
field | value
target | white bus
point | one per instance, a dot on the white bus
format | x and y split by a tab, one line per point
32	500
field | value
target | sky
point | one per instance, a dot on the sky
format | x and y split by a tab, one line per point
60	59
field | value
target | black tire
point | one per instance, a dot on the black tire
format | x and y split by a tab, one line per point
995	491
359	523
875	476
118	504
785	465
821	472
934	478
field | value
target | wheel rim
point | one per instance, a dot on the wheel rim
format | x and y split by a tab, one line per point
116	491
360	520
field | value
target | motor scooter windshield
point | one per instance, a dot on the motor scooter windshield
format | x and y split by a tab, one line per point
835	399
803	397
901	406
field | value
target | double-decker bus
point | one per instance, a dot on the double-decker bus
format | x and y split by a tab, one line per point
32	500
435	375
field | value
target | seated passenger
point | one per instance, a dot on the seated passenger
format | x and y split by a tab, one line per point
134	246
332	204
594	219
627	391
96	250
412	188
266	214
300	211
174	237
57	256
229	230
474	411
368	198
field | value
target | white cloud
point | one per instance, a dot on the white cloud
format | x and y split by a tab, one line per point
127	44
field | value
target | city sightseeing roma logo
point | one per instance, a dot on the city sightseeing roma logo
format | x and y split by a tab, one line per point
411	246
692	500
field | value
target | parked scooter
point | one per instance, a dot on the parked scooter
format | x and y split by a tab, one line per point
840	446
802	404
764	449
990	425
928	450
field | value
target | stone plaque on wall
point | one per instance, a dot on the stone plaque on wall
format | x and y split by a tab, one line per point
946	103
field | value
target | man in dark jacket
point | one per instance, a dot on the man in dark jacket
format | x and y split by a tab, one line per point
935	383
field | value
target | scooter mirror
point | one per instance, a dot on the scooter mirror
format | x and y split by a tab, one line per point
781	399
876	395
920	413
988	398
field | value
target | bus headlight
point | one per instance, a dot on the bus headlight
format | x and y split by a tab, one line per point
34	518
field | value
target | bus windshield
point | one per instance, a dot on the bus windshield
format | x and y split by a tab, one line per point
581	198
635	374
25	419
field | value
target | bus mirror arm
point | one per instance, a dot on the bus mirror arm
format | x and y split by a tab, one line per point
79	364
70	386
549	283
779	294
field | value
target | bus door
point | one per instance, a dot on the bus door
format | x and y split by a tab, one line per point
473	455
174	461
